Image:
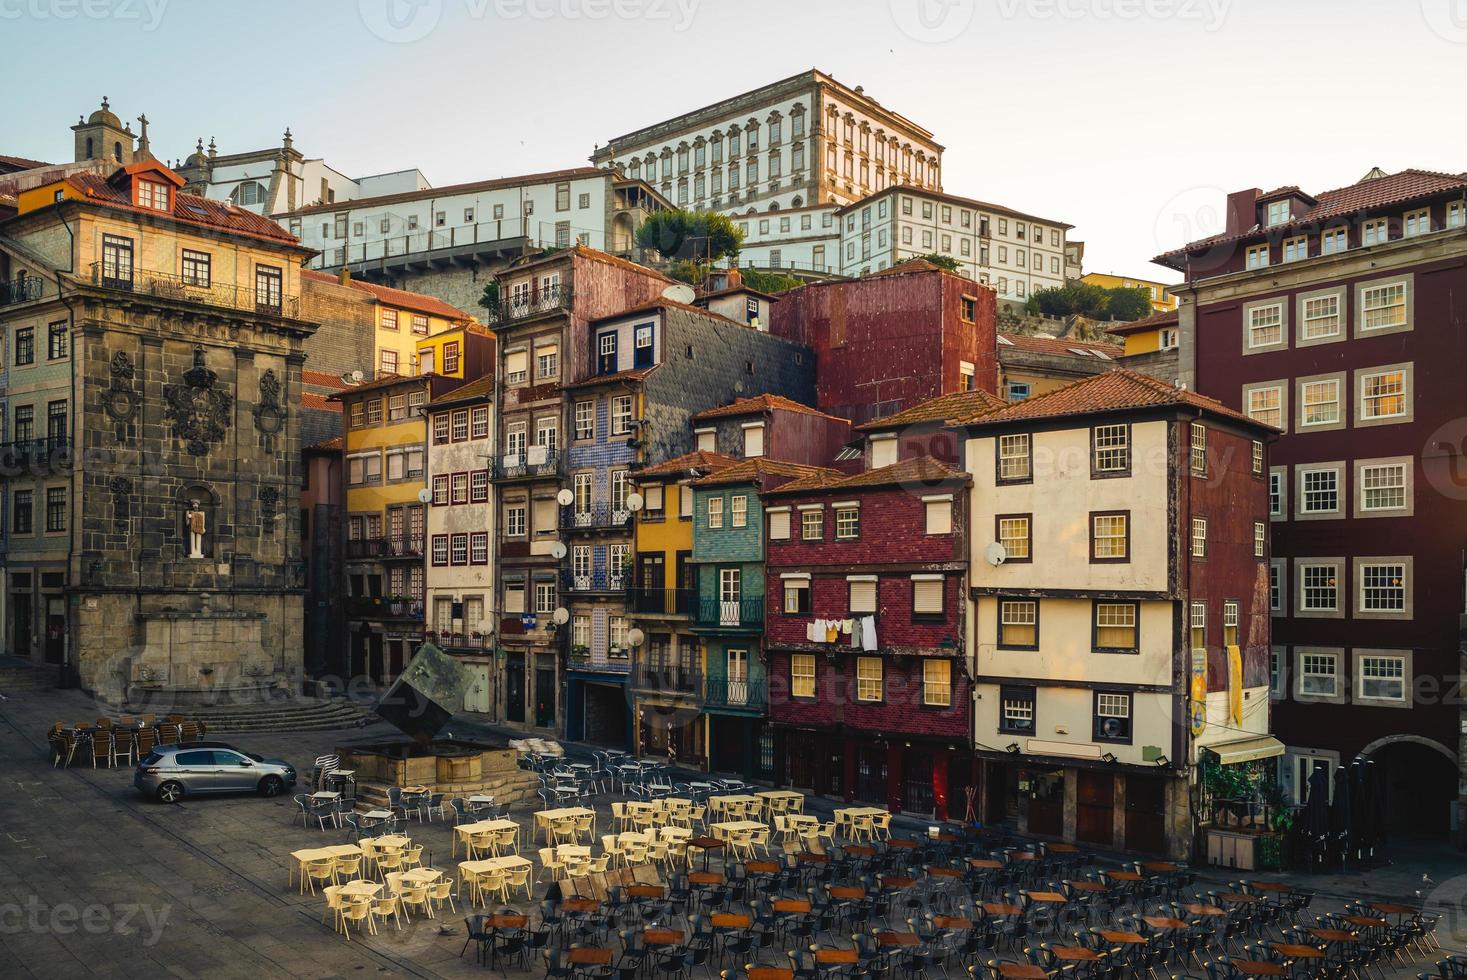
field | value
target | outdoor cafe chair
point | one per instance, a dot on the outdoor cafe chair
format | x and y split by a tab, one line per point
414	896
357	910
322	869
384	906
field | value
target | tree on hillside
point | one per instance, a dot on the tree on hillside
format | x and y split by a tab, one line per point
769	282
1128	304
701	235
490	299
1090	300
937	258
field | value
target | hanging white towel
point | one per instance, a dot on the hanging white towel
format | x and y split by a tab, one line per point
810	629
868	634
845	627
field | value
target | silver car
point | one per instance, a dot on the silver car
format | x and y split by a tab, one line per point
170	772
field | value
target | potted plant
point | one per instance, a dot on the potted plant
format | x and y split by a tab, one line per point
580	652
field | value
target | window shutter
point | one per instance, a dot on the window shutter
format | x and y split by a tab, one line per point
779	526
939	517
863	597
927	596
754	441
545	513
652	497
516	362
685	499
514	599
706	441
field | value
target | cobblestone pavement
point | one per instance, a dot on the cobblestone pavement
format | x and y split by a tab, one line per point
97	881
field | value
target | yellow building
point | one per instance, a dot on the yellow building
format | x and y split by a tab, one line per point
459	350
667	672
1157	332
401	320
1161	294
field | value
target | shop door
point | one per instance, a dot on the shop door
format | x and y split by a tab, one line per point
917	783
514	688
1146	814
55	629
544	697
799	760
1046	795
1095	797
999	802
871	774
20	620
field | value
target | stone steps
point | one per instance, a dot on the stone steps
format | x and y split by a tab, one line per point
28	677
300	715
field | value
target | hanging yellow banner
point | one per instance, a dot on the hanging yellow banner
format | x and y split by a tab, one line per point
1235	684
1197	710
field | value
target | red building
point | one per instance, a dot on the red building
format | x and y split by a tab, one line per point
1339	318
881	713
889	340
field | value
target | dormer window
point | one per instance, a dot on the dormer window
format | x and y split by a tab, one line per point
153	195
1278	213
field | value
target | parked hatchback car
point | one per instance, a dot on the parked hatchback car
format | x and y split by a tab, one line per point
170	772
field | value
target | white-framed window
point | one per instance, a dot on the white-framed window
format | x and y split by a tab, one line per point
1381	677
1319	589
1257	457
802	675
1111	446
1013	457
715	512
1109	536
937	682
1417	222
1456	214
514	520
516	366
1257	257
1319	674
812	524
847	523
621	414
1383	587
1199	537
581	631
1198	626
1276	492
1333	240
1260	539
1018	623
1375	232
1321	317
1383	395
1278	213
585	420
1266	405
1276	591
547	362
1382	487
1319	402
1115	627
739	510
1266	325
1296	248
1016	710
868	679
1382	306
1013	534
1319	491
544	598
1199	449
1276	673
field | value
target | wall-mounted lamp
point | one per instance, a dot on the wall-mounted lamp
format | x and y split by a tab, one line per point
1012	748
1162	762
1109	758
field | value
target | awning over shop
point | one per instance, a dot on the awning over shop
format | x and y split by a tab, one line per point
1250	748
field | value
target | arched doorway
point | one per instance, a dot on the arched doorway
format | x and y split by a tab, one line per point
1420	778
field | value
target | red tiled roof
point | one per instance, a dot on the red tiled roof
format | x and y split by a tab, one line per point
323	379
911	265
310	399
1363	196
386	381
759	404
481	387
1059	345
473	187
187	209
1166	318
1116	390
669	304
919	471
698	460
419	302
756	469
633	374
943	408
335	443
21	163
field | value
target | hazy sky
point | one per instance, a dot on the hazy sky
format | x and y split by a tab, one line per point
1127	118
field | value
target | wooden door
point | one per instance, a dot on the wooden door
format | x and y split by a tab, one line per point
1095	799
1146	814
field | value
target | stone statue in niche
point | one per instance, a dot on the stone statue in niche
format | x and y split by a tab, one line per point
197	523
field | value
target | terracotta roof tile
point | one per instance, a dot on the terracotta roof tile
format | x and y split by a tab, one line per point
335	443
418	302
1166	318
943	408
759	404
481	387
919	471
757	469
386	381
21	163
324	379
187	209
1363	196
669	304
1059	345
310	399
632	374
1116	390
698	460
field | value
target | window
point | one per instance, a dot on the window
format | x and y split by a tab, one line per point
516	366
1014	463
1257	457
1382	487
460	425
796	596
269	282
195	268
450	357
1198	626
514	520
715	512
389	320
1258	256
545	604
25	345
116	262
56	340
1321	317
1334	240
847	523
387	362
1110	449
1260	539
1417	223
802	675
642	346
1112	717
1199	537
25	422
1115	627
21	520
1278	213
440	428
621	415
1296	249
861	594
1318	588
868	679
778	521
55	509
753	440
1199	449
969	306
937	682
458	549
547	362
1382	678
1383	395
479	423
1276	673
1375	232
440	549
1018	624
1265	325
1276	585
1319	674
1014	533
1456	214
812	524
1266	405
514	598
1382	588
739	511
1016	710
1319	402
928	595
479	487
1383	307
56	418
1110	537
938	516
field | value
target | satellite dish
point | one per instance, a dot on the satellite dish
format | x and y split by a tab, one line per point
561	615
425	496
635	637
565	498
995	554
634	502
557	550
356	377
679	293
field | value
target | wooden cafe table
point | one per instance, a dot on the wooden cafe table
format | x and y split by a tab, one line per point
1297	951
1075	954
589	956
984	864
791	905
705	878
1022	971
1164	922
544	818
730	920
942	871
952	922
1088	886
1204	910
662	937
580	905
771	973
762	867
1047	898
847	893
1333	935
1277	887
1002	908
833	957
898	939
1122	938
1260	968
507	921
645	891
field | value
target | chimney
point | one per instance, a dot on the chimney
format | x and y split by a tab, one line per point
344	276
1242	210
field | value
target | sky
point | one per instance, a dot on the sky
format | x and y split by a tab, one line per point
1129	119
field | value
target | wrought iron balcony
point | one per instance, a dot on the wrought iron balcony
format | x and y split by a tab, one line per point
733	614
28	454
720	692
384	607
461	640
401	546
20	290
601	517
667	679
537	302
664	602
598	580
265	298
535	461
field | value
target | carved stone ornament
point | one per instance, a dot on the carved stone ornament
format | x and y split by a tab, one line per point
198	411
269	502
269	413
120	401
